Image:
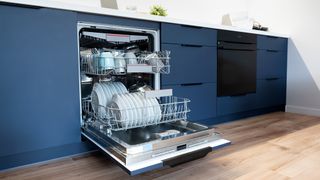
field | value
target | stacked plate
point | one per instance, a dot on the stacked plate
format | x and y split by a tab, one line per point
102	94
133	110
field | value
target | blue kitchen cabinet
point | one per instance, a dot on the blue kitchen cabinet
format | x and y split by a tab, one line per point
271	92
190	35
39	84
202	97
271	64
228	105
272	43
191	64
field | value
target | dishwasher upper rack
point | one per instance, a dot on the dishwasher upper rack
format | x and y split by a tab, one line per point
172	109
145	62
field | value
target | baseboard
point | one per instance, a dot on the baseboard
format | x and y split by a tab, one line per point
303	110
49	161
240	115
44	155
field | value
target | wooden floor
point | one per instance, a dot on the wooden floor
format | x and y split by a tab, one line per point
273	146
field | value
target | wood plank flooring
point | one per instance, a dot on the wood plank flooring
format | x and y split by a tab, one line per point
272	146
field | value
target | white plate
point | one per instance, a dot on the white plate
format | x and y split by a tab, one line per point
121	119
108	93
128	110
157	109
121	87
118	88
133	109
115	113
95	101
121	104
139	103
101	111
151	111
112	88
144	109
147	109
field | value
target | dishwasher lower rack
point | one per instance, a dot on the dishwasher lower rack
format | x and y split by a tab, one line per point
168	109
141	149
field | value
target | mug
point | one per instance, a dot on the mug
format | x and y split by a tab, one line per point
120	64
106	61
130	58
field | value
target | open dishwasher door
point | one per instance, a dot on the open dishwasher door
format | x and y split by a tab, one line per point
147	148
141	129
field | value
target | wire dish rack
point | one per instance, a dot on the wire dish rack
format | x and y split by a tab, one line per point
151	62
168	109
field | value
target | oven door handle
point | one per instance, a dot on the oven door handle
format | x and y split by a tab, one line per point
174	161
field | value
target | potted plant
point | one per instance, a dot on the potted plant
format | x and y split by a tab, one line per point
158	10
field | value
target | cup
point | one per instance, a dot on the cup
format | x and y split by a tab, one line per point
155	61
106	61
130	58
120	64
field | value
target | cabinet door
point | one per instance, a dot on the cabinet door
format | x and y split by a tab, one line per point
271	64
182	34
202	96
271	92
272	43
191	64
234	104
40	80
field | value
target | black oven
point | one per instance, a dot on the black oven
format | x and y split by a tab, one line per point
236	63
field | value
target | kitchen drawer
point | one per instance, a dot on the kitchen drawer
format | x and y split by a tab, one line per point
272	43
234	104
202	96
271	92
181	34
271	64
191	64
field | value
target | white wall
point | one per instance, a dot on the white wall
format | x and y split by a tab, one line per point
209	11
299	19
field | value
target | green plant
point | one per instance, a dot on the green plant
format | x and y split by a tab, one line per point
158	10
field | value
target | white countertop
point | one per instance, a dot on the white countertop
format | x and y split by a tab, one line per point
132	15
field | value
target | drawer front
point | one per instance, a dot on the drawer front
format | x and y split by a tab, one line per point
272	43
202	96
191	64
271	64
234	104
181	34
271	92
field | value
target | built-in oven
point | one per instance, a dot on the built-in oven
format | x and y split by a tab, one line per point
237	63
124	111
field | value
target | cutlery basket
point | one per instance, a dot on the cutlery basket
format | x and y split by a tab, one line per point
168	109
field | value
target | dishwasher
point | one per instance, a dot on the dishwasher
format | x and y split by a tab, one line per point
123	110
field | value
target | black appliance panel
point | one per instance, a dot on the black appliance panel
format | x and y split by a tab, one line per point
236	63
236	72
